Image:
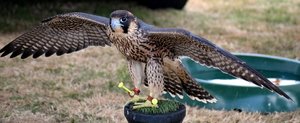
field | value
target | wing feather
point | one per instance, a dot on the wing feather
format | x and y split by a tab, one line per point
60	34
183	43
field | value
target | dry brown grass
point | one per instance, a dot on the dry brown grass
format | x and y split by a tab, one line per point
81	87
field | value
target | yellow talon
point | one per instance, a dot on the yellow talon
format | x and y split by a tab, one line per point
145	104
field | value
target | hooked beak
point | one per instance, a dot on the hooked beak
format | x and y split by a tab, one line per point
115	23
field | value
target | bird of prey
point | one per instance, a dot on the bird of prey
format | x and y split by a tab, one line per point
159	48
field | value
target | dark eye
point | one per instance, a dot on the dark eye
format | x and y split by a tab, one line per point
123	19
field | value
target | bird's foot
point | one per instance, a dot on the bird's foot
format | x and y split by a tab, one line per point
134	94
136	98
150	102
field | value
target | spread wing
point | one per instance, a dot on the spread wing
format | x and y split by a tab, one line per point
179	42
60	34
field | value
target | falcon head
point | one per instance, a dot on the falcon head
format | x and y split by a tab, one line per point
122	21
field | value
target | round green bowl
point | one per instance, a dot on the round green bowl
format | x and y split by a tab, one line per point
247	98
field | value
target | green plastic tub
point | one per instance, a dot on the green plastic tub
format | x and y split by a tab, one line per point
243	97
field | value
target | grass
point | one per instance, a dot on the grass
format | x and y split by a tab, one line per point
165	106
82	86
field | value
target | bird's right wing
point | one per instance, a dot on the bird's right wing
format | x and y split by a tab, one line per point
60	34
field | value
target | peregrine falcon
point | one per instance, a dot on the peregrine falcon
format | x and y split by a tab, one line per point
158	48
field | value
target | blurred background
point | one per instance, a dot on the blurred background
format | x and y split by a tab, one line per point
82	86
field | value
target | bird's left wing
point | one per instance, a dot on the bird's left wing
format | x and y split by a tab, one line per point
180	42
60	34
